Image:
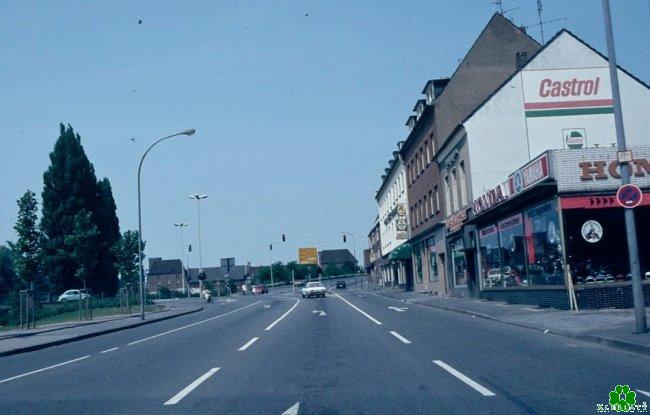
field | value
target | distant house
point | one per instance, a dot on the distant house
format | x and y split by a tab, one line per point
237	275
166	273
336	257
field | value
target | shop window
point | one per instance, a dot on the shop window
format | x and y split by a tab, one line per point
458	261
433	265
418	263
512	251
489	250
544	245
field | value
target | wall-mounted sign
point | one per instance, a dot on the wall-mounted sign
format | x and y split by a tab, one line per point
455	222
401	225
567	92
592	231
598	170
574	138
532	173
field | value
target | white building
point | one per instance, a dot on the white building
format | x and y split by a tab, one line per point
393	222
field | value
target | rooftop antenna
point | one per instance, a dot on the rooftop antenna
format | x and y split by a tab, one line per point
539	15
499	5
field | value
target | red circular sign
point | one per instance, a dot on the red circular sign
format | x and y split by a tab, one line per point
629	196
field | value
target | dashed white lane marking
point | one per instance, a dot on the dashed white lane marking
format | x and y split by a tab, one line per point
267	306
643	392
247	345
281	317
479	388
190	325
371	318
109	350
189	388
293	410
44	369
403	339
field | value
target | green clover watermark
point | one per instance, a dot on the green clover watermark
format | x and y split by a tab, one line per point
622	399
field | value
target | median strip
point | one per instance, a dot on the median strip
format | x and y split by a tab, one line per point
189	388
479	388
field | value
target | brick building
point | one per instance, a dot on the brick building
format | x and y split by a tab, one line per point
165	273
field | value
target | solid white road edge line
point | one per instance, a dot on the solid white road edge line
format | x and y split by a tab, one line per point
371	318
643	392
480	389
109	350
190	325
45	368
281	317
189	388
247	345
403	339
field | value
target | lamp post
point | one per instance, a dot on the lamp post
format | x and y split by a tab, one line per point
189	132
180	226
630	226
198	199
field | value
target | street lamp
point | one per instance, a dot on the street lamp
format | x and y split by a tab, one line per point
198	212
189	132
180	226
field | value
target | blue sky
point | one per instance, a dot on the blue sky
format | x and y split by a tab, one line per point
297	105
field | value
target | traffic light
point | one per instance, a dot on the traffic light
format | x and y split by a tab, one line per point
270	247
284	238
189	248
344	239
202	276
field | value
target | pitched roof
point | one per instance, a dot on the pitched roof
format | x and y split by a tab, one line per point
159	266
337	256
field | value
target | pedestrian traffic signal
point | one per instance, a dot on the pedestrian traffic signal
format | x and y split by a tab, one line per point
202	276
344	239
270	247
284	238
189	248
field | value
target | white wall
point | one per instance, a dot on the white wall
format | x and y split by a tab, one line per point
393	193
501	139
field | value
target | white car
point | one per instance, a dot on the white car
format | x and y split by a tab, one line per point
313	289
72	295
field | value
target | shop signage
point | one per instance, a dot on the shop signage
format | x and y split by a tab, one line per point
490	198
592	231
575	138
629	196
600	169
455	222
565	92
532	173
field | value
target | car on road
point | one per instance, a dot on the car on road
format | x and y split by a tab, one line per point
260	289
72	295
340	284
313	289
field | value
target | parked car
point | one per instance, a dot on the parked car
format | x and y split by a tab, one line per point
340	284
260	289
72	295
313	289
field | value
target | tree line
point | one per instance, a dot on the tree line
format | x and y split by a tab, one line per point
283	272
77	241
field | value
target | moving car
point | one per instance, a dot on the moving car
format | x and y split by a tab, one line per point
340	284
71	295
313	289
260	289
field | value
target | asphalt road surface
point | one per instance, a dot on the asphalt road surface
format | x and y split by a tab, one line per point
349	353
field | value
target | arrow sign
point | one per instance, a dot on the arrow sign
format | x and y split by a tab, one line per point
400	309
293	410
267	306
319	312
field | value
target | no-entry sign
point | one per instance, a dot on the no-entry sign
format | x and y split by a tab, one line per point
629	196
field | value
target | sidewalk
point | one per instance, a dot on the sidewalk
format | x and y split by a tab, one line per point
21	341
610	327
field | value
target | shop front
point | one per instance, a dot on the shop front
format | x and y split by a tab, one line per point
538	222
461	254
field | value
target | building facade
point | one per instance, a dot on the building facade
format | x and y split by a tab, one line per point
374	256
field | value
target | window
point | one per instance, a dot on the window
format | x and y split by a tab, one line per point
426	208
428	151
458	261
511	251
489	254
447	197
544	245
411	218
433	146
463	186
433	265
454	191
435	190
431	211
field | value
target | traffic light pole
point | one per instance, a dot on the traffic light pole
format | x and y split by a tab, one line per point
630	226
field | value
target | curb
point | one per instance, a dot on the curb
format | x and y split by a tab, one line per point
603	341
89	335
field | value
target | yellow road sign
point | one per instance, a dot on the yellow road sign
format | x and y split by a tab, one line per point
307	256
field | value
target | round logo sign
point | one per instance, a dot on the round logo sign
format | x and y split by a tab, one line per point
551	233
629	196
592	232
574	140
518	182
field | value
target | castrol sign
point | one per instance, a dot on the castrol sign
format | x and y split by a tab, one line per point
567	92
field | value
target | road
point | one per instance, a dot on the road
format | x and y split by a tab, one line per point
349	353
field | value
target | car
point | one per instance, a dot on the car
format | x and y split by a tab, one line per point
313	289
72	295
340	284
260	289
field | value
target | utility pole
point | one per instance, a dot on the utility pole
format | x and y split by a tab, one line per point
539	14
630	226
271	263
198	212
180	226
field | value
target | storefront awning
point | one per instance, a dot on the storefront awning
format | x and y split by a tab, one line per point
401	253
